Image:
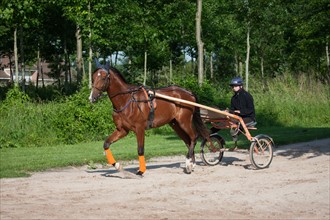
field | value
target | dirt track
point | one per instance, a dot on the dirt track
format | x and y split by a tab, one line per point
296	186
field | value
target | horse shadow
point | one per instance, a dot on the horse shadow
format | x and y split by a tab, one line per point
234	161
130	172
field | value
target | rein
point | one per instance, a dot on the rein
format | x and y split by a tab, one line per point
125	92
148	99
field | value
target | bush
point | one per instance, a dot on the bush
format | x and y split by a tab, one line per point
21	122
69	121
207	94
78	120
292	101
283	101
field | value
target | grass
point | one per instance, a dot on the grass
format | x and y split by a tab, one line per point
21	162
289	108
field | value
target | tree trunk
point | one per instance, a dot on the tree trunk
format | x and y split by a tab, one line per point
171	71
211	66
66	63
262	66
145	68
90	60
240	65
42	76
184	63
90	67
205	70
236	63
200	44
16	57
90	48
79	55
328	58
22	58
247	59
38	69
11	70
116	58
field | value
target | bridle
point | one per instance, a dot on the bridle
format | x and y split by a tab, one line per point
105	85
132	91
106	82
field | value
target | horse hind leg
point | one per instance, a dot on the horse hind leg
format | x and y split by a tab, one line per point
190	159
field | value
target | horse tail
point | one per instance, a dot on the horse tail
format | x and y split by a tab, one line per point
199	125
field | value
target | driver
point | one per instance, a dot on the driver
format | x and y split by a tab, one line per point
242	104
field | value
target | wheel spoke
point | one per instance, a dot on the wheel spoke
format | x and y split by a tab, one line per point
262	153
211	152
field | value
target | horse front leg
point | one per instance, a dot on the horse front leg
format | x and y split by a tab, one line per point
140	142
115	136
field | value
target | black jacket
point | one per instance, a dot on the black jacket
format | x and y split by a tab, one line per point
243	101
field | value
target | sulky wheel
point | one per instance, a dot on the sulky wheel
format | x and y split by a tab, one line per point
261	151
212	154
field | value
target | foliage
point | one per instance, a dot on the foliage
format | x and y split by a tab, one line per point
72	120
285	101
293	101
205	94
287	39
285	36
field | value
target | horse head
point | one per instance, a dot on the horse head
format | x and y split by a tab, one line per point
100	79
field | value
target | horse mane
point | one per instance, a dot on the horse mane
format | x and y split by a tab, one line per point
166	88
117	72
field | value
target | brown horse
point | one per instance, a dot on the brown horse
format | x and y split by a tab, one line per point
136	109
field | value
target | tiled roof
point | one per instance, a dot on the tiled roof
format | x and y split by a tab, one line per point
4	75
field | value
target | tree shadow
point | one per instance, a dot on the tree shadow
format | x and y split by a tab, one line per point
294	151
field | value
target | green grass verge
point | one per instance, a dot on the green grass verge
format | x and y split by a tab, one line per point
21	162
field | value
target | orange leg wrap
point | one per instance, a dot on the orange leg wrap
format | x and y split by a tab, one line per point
109	156
142	164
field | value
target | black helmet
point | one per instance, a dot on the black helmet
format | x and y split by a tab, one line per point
237	81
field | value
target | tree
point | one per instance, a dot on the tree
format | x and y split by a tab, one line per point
200	44
18	14
311	21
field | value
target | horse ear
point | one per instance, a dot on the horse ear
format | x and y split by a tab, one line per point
98	65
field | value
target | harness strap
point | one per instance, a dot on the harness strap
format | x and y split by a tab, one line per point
123	108
152	105
150	99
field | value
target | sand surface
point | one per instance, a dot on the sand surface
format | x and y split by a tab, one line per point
295	186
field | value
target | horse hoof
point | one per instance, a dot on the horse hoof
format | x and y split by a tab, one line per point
188	171
139	173
189	166
119	167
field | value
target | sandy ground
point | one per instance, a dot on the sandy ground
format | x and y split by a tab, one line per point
296	186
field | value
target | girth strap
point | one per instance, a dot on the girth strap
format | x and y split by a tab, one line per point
152	105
